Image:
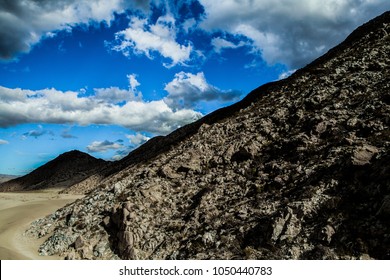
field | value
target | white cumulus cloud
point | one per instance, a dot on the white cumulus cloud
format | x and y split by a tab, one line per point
220	43
3	142
133	83
24	23
144	38
289	31
106	106
117	95
103	146
137	139
186	89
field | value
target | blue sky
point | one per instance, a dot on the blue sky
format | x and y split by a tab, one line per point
103	77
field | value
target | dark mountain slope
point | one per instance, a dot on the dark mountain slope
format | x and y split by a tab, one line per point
161	144
297	170
62	172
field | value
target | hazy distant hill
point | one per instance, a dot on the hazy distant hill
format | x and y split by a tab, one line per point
5	178
299	169
62	172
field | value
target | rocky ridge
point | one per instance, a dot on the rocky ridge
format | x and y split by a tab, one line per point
298	170
62	172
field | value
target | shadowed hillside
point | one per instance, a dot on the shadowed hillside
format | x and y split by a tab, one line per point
62	172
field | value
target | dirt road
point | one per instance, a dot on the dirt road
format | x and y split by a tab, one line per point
17	211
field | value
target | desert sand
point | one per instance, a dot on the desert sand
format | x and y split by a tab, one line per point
17	211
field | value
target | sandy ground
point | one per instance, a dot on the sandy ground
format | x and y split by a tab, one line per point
17	211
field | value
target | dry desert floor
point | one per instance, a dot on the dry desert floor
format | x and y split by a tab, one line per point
17	211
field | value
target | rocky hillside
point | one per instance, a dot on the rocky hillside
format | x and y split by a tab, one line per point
297	170
62	172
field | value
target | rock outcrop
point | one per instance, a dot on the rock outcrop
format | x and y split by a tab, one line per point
62	172
297	170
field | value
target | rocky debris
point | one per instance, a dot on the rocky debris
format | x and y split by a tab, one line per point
298	170
86	185
363	155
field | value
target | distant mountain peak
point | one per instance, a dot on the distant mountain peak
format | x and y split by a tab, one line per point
76	154
62	172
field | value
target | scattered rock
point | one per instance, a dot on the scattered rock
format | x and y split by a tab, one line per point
364	154
79	243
